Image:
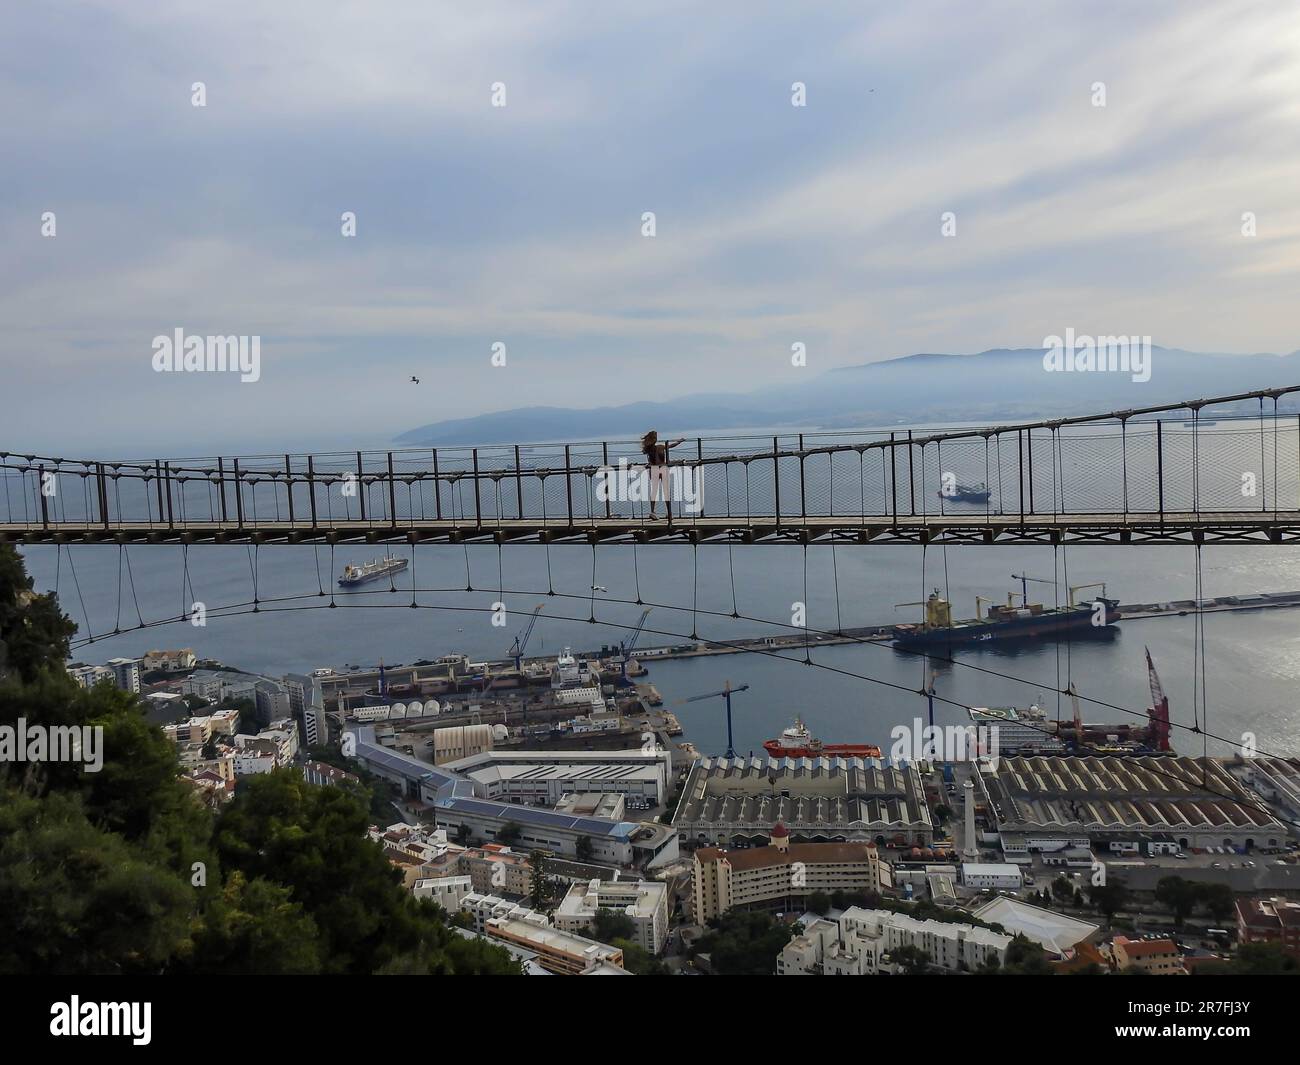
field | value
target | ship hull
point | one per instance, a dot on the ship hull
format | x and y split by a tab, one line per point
829	750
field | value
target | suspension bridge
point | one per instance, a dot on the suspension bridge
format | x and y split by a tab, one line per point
1177	473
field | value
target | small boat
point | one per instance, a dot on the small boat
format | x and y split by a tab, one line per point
798	742
966	493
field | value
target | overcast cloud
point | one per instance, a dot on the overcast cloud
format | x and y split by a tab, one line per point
522	224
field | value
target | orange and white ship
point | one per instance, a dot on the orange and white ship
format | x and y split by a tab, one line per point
798	742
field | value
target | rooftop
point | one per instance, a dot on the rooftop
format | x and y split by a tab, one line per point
1125	794
807	853
1054	932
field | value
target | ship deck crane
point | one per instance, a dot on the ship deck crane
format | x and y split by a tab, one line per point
521	640
1024	585
1080	587
726	693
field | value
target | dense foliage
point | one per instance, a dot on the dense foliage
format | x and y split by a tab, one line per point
123	870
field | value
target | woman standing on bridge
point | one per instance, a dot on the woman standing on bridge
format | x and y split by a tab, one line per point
656	459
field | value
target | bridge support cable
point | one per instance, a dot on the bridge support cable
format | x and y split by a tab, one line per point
237	609
695	590
291	602
807	655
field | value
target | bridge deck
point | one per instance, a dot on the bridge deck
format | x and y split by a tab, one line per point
1171	527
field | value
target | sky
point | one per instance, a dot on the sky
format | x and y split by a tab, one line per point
522	224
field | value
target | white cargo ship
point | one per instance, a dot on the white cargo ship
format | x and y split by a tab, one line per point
372	571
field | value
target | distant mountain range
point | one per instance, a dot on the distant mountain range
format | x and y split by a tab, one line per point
1003	384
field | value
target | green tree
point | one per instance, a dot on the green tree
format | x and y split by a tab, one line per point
609	925
1217	899
638	960
1025	957
34	634
913	959
76	898
123	870
1178	895
255	928
1110	897
583	848
744	943
540	887
1255	959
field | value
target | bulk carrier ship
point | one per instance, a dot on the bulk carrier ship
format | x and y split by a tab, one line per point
375	569
1031	621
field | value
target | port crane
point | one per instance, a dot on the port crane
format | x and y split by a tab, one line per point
521	640
625	646
726	693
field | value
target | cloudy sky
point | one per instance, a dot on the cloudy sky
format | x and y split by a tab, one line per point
522	224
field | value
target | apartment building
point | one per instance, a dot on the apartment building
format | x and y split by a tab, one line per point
644	902
861	942
1269	920
1151	957
783	875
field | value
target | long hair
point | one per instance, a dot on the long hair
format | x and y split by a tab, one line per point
649	440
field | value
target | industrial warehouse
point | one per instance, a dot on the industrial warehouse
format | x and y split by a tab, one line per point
1196	802
734	802
463	804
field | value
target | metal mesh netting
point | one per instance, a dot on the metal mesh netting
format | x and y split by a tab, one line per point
1134	466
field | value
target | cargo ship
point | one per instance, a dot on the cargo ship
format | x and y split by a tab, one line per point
798	742
966	493
1030	621
375	569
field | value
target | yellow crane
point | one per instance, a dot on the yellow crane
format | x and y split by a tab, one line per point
1080	587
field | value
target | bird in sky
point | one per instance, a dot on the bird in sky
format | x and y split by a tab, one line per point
415	380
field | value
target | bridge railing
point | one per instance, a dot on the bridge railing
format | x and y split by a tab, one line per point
1155	461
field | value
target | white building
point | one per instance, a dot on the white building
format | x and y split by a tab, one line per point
285	734
413	842
862	942
580	697
307	704
446	891
531	777
169	661
1054	932
645	902
272	699
216	686
483	908
126	673
982	875
89	676
252	755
